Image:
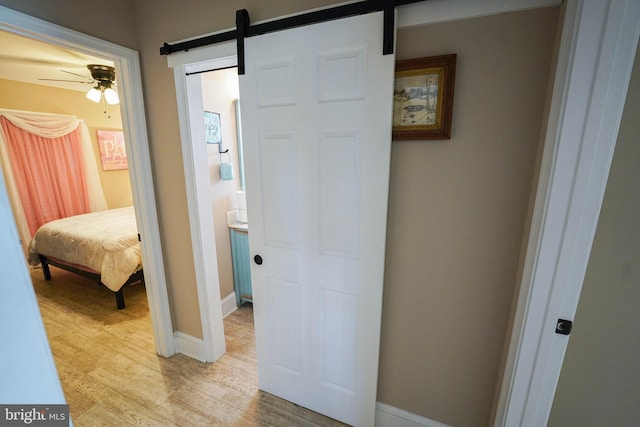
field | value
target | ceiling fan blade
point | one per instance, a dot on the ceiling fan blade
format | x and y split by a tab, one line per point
68	81
75	74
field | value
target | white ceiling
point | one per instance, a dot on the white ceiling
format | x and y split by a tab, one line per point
28	60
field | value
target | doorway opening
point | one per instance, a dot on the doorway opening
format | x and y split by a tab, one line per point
199	175
220	101
134	128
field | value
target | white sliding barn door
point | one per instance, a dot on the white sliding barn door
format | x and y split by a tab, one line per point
316	111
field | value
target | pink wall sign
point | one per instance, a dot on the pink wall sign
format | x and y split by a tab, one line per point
112	153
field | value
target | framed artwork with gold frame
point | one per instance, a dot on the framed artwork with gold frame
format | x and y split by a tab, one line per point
423	98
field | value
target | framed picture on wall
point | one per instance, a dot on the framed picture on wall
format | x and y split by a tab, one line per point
112	152
212	130
423	98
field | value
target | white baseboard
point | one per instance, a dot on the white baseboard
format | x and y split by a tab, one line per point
190	346
228	304
194	347
389	416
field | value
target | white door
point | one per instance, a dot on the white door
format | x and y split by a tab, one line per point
316	111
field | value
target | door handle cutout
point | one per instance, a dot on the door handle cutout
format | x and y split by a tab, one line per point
563	327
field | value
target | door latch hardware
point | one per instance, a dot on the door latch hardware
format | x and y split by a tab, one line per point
563	327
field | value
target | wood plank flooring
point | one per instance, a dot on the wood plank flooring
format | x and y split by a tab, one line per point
112	376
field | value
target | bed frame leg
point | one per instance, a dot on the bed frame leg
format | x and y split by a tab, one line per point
45	268
120	299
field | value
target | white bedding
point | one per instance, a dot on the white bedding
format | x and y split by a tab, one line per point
105	241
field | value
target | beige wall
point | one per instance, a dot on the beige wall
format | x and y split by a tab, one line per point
219	89
600	379
113	20
456	219
31	97
456	208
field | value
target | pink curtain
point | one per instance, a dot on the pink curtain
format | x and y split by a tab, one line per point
49	174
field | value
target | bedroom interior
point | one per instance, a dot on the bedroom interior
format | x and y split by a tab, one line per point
51	176
36	89
31	108
62	70
68	71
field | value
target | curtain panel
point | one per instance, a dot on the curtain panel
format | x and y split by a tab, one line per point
28	135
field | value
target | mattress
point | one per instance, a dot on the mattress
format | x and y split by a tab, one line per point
105	241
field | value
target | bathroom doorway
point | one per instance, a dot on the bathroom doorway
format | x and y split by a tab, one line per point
226	179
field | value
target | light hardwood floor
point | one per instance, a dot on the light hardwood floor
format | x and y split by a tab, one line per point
112	376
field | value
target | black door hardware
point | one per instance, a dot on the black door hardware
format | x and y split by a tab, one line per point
563	327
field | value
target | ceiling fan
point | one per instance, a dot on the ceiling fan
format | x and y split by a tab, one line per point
103	80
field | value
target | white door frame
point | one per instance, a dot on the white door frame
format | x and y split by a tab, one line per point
199	201
588	99
596	57
135	130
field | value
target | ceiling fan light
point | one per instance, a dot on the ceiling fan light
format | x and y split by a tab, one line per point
111	96
94	94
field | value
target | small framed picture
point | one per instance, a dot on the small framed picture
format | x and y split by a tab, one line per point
213	133
423	98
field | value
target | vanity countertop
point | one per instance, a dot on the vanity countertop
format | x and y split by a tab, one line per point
239	226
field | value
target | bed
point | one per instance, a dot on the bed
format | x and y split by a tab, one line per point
103	246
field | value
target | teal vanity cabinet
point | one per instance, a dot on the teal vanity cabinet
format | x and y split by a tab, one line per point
241	264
